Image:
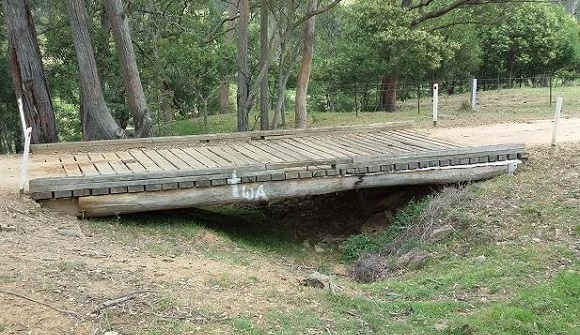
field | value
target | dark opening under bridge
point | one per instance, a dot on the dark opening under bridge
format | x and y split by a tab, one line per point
135	175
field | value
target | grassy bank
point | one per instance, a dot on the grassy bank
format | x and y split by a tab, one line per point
511	266
506	105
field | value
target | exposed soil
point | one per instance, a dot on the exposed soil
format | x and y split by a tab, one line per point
47	258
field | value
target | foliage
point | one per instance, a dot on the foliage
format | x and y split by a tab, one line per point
537	39
360	245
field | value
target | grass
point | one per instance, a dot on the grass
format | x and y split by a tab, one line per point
529	283
506	105
525	226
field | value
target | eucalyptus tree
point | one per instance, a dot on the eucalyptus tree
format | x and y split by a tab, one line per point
128	64
28	77
97	121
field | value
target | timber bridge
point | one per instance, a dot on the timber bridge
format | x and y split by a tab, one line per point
135	175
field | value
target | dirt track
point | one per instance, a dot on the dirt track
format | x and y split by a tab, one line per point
530	133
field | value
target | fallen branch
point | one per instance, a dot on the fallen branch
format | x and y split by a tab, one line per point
117	301
39	302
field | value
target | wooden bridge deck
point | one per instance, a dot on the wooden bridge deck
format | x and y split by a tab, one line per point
113	177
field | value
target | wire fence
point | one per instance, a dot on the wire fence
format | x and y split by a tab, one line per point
378	96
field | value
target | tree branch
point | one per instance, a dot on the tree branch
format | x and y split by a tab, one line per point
442	11
316	12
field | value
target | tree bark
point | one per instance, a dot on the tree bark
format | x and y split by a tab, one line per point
224	92
98	123
243	67
27	71
301	113
388	93
129	71
264	61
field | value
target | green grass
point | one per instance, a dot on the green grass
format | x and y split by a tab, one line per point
506	105
526	226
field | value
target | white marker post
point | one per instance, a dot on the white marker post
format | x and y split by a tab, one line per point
27	133
557	115
473	93
435	103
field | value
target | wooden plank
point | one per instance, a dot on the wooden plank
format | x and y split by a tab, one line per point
277	151
417	142
276	147
204	151
101	163
116	162
384	144
274	190
144	160
336	145
263	155
240	158
294	149
444	154
425	136
126	144
200	157
191	161
398	144
388	145
316	154
333	151
344	142
70	165
310	146
173	159
159	160
81	182
86	165
362	145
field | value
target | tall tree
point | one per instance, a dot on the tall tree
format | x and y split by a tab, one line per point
28	76
224	92
305	67
129	71
264	62
243	67
97	121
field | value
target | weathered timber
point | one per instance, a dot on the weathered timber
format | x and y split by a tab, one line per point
124	144
272	190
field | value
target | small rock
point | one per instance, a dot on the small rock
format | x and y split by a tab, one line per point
413	260
306	244
441	233
316	280
111	333
480	259
318	249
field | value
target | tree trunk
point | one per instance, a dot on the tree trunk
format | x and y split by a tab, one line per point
27	71
98	123
388	97
224	93
305	68
129	71
264	61
243	67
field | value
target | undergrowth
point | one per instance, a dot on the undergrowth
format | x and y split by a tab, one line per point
360	245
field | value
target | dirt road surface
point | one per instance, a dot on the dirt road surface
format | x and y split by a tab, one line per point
529	133
55	269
